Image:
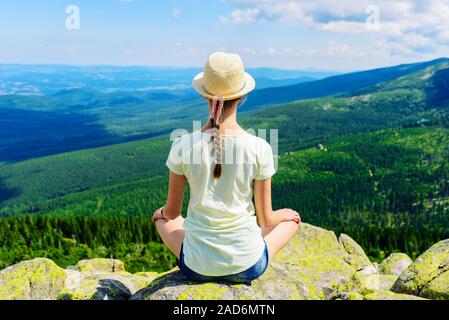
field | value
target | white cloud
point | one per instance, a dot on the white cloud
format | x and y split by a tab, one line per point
408	26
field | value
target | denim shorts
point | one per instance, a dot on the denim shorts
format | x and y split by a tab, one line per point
246	276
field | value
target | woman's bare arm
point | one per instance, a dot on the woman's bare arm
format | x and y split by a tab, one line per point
266	217
176	187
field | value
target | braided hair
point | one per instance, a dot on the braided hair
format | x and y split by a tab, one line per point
216	111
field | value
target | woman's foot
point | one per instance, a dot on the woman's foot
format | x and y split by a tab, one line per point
158	215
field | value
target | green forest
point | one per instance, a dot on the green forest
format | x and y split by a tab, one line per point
388	189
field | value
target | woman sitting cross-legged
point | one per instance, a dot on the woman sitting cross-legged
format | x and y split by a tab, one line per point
224	237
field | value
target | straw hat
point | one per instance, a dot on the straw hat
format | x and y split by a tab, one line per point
225	76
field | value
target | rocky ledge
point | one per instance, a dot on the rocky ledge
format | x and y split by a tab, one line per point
314	265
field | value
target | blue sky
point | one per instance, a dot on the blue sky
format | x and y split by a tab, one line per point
292	34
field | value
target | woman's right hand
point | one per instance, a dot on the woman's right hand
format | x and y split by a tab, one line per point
290	215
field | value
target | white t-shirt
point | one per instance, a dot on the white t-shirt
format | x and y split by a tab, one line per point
221	232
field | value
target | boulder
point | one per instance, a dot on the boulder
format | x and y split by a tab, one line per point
38	279
311	266
148	274
355	254
438	288
395	264
377	282
100	264
350	296
388	295
426	269
371	269
102	285
314	265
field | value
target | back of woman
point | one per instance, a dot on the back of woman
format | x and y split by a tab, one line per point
225	236
222	235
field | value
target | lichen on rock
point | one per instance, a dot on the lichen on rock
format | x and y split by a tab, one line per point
378	282
438	288
314	265
395	264
426	268
356	256
99	285
37	279
100	264
388	295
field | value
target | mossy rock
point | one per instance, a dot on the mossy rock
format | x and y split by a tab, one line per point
322	261
395	264
388	295
100	264
350	296
377	282
438	288
371	269
278	282
311	266
311	241
38	279
426	268
148	274
175	286
356	256
102	285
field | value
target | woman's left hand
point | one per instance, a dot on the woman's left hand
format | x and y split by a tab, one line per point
158	214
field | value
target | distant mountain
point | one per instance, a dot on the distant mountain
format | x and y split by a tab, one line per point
432	81
278	74
50	79
347	84
49	109
263	83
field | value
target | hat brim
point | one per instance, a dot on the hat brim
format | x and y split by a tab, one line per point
198	84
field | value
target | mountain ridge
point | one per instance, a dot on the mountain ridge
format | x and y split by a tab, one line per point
335	85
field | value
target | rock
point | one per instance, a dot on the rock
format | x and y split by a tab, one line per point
356	255
378	282
426	268
314	265
371	269
395	264
152	274
388	295
102	285
175	286
311	266
38	279
438	288
351	296
100	264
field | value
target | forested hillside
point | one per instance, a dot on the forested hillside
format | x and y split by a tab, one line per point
390	189
347	84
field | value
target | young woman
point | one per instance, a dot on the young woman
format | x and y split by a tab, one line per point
224	236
